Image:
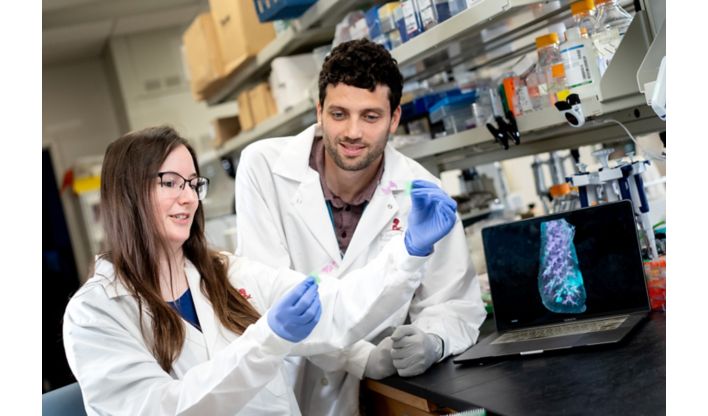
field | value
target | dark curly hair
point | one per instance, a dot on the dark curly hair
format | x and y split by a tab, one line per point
363	64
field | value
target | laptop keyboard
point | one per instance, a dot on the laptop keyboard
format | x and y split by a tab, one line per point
561	330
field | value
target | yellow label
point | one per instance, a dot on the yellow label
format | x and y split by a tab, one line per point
562	95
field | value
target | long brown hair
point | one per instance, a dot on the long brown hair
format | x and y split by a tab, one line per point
135	242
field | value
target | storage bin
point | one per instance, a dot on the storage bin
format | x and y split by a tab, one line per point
455	112
269	10
421	105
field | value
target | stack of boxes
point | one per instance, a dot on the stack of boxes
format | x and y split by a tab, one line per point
219	43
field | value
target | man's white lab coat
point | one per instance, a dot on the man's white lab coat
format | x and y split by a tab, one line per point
219	372
282	220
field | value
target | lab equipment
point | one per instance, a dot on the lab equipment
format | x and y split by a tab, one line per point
408	20
455	112
559	196
432	216
297	313
655	272
623	180
571	109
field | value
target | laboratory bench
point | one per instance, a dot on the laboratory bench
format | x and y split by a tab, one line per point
625	378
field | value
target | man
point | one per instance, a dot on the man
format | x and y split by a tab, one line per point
328	199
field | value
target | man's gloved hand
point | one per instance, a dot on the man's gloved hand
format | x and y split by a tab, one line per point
432	216
414	350
380	364
295	315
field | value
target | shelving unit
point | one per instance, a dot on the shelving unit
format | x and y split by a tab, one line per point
314	28
462	25
296	118
541	131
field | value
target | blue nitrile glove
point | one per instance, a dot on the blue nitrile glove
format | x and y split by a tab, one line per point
297	313
432	216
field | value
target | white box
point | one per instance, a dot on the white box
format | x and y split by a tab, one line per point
290	79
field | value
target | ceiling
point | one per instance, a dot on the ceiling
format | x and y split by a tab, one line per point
79	29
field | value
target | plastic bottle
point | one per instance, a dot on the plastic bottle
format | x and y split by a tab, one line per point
582	17
550	67
582	74
611	24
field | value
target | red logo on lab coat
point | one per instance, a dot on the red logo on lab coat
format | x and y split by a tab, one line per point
395	226
243	293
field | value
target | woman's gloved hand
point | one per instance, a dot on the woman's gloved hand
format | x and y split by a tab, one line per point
432	216
295	315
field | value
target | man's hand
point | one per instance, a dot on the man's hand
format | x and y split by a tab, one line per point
432	216
414	350
380	364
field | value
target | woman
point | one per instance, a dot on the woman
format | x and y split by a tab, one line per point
167	326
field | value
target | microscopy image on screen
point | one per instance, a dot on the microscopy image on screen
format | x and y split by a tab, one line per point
560	282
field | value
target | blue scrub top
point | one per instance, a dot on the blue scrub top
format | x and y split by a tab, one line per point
185	307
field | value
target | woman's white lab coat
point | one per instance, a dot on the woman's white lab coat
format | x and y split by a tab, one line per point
219	372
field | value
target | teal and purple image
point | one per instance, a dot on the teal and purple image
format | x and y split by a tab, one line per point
560	281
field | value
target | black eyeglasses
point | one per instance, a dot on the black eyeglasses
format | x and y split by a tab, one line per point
174	183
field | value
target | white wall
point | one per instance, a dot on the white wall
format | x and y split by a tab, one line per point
155	88
79	119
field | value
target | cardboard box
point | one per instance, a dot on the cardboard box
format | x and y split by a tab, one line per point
241	35
202	54
262	102
224	129
245	115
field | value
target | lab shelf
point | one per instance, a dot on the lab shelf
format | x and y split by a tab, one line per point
291	121
541	131
315	27
461	25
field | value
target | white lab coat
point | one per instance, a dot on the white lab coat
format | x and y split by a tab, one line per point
219	372
283	221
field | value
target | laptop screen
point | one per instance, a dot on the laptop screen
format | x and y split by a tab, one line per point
562	267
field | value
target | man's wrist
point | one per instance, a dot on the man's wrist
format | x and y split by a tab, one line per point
439	346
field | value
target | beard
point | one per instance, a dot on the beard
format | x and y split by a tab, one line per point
371	154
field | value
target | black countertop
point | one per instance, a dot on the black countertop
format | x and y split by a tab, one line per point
626	378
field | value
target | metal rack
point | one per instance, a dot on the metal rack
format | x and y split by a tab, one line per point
541	131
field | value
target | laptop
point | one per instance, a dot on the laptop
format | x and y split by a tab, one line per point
561	281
